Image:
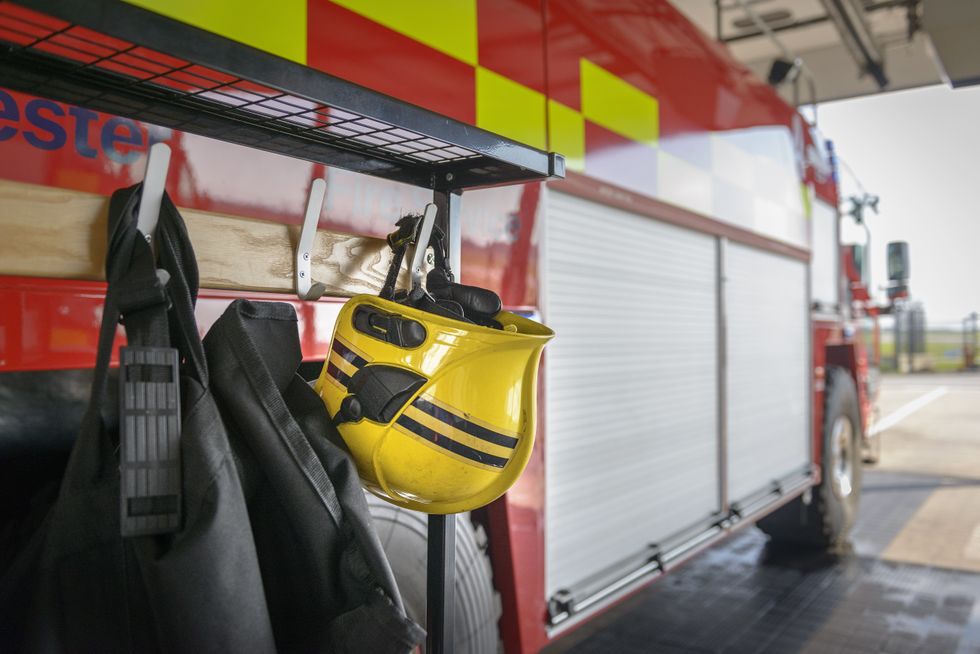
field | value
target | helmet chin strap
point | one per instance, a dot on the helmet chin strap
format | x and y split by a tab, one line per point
440	294
418	230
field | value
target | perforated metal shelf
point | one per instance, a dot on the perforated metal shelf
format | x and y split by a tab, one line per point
116	58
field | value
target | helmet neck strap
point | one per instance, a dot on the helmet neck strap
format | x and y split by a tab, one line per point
401	239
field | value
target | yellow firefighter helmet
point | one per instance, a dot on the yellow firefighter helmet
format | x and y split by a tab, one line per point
438	411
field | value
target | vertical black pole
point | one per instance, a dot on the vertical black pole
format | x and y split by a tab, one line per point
440	572
973	341
441	555
448	203
898	340
718	26
912	338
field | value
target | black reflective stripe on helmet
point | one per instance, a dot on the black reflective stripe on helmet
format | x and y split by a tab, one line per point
449	444
347	354
342	378
464	425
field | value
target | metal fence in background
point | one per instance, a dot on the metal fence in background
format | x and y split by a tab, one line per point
970	341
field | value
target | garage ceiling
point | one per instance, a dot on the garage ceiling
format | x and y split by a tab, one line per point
849	46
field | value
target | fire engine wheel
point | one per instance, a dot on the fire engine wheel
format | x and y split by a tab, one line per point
827	519
403	535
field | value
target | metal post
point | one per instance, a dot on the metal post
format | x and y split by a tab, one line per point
722	372
971	352
448	204
912	338
897	328
440	569
966	343
813	98
973	341
441	553
718	25
922	326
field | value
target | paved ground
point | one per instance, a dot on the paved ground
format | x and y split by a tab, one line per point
941	439
910	582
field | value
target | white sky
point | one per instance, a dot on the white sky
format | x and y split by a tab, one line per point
919	151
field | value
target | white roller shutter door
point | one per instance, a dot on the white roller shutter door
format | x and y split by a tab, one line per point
768	367
631	413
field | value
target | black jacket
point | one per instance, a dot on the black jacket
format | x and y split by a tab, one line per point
310	521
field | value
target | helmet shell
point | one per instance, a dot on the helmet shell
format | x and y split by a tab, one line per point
461	439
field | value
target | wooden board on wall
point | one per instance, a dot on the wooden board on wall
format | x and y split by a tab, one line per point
51	232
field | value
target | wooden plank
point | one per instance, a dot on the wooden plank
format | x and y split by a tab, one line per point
52	232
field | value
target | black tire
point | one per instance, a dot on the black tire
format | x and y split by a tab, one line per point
827	518
477	608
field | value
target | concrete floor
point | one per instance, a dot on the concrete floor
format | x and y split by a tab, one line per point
909	582
940	439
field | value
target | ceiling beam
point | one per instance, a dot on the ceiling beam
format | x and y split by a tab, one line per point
856	35
803	22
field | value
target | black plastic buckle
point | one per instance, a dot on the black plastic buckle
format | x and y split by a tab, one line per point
389	327
149	440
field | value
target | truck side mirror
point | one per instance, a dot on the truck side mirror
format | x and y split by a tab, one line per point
898	261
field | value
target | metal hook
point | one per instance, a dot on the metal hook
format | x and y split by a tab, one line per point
306	288
154	186
421	245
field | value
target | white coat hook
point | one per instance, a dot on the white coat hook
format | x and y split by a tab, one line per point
421	245
306	288
154	186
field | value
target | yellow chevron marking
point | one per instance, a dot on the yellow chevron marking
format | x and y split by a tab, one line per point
439	426
806	194
275	27
617	105
566	134
510	109
447	26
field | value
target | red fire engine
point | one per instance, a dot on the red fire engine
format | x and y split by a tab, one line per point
708	371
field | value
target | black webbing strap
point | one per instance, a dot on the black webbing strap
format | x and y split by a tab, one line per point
400	239
391	280
133	284
176	256
152	311
155	299
239	333
440	250
156	308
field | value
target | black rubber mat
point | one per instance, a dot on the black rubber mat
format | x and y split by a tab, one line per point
744	596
